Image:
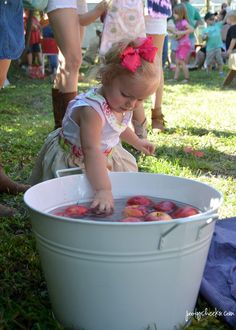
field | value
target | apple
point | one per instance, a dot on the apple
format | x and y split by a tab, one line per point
184	211
134	211
131	219
157	216
139	200
165	206
75	210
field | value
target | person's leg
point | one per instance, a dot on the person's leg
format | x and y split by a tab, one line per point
66	28
165	51
157	116
200	59
185	70
219	61
4	66
10	187
177	69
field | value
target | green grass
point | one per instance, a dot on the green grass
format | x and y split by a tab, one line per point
200	115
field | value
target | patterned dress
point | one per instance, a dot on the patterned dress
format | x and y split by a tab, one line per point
124	20
183	44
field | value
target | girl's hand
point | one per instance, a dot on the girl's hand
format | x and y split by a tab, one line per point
103	202
102	7
145	146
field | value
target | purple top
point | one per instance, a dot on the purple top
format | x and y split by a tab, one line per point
159	8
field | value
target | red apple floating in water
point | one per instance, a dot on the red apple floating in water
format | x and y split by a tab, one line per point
139	200
157	216
75	210
134	211
165	206
131	219
183	212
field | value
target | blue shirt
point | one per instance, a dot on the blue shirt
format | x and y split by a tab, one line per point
214	40
11	29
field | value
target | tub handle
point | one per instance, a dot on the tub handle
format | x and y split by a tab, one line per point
208	218
68	171
214	217
163	236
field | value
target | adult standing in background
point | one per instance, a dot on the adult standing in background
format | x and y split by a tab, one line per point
194	19
11	46
156	14
66	18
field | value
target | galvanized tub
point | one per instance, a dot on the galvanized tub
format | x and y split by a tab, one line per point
123	276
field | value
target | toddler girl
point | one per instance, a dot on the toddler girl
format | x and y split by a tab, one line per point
96	121
183	29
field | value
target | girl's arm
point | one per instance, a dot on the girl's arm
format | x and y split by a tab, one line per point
92	15
189	29
231	47
95	161
143	145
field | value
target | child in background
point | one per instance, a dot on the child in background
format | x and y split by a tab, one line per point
96	121
212	35
35	39
231	34
183	29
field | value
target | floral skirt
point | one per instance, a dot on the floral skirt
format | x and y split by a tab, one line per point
53	157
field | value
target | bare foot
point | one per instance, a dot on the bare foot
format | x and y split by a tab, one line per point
6	211
9	186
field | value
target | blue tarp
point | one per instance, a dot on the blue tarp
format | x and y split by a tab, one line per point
218	285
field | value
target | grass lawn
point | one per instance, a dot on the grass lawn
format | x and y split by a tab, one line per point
200	115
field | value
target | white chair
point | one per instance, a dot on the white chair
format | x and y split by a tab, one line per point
49	47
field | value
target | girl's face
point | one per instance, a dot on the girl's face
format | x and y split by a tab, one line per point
125	93
176	16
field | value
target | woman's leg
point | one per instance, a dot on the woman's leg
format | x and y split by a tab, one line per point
4	66
66	28
157	116
139	119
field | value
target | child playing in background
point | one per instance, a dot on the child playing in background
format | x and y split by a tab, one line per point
231	34
96	121
34	44
183	29
184	46
212	35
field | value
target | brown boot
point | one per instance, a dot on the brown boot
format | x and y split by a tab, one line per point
56	106
66	98
9	186
140	129
158	121
6	211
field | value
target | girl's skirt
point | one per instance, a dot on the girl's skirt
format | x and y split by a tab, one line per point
53	157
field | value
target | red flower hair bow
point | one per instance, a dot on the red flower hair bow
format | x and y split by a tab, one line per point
131	56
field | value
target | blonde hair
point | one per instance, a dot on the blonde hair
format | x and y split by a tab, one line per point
232	15
111	65
181	11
